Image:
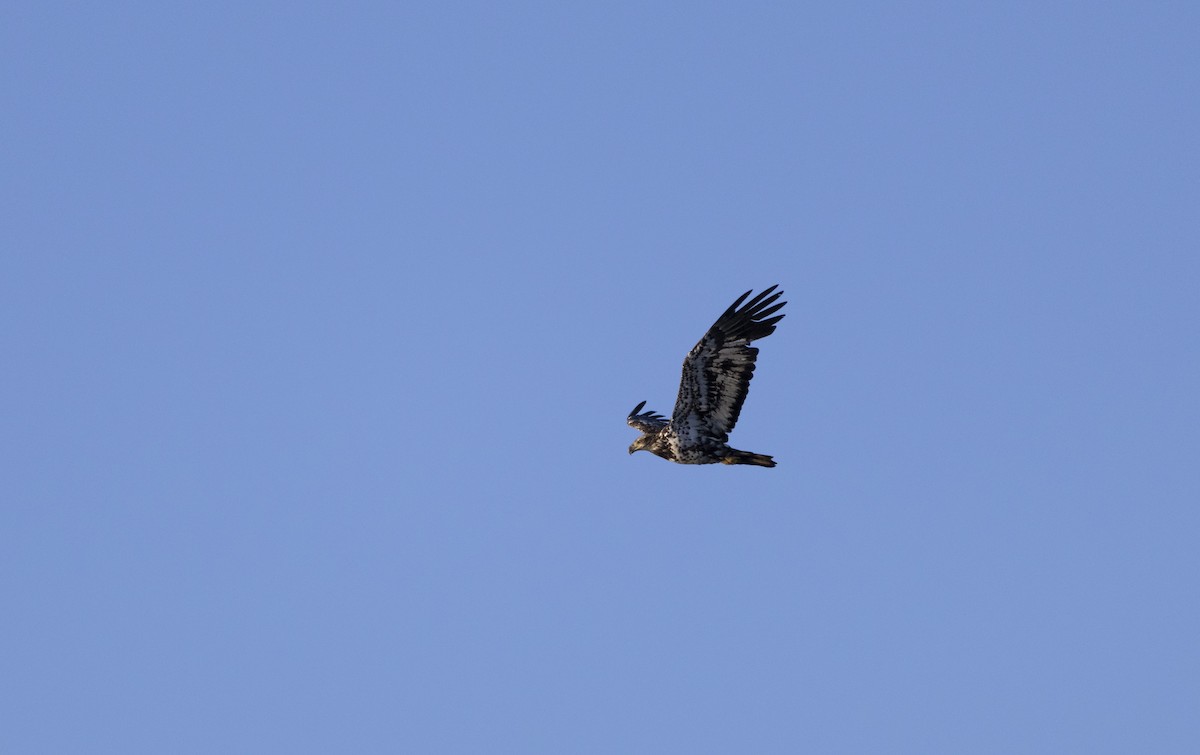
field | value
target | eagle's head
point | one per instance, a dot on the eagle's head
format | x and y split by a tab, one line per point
640	444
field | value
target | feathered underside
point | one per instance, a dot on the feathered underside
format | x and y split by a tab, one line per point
717	371
716	379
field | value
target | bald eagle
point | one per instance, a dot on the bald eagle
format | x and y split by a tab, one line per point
716	377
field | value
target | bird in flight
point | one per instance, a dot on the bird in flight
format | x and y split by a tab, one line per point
716	377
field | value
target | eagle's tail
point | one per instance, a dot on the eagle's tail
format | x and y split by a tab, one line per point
745	457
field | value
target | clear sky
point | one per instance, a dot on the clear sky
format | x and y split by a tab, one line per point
320	325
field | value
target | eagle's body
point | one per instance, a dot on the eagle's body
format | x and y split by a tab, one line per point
716	377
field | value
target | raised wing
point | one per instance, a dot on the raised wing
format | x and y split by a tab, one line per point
717	371
647	422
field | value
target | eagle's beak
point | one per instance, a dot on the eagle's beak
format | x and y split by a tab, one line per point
631	450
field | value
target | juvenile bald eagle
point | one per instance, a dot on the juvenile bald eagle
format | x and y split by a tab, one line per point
716	377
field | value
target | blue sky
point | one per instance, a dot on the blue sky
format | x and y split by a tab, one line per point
321	323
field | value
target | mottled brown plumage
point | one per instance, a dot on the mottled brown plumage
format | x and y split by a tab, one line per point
716	378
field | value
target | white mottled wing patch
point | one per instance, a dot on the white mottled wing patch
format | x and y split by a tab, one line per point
717	371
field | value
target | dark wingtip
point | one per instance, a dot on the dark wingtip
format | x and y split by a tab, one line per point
637	409
753	320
